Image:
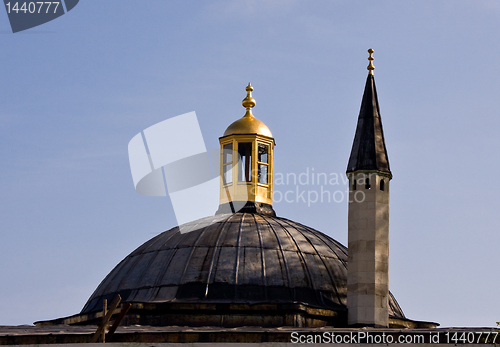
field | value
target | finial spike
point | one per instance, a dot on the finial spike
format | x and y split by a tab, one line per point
249	101
370	66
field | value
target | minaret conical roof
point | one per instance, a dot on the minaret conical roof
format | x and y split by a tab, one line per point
368	149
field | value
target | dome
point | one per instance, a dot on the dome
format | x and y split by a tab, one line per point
251	269
248	124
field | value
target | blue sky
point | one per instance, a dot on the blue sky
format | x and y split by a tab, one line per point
74	91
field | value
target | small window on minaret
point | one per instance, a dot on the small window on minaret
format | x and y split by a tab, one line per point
382	184
227	163
367	183
354	184
245	162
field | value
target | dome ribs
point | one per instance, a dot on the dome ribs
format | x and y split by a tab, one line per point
275	268
215	253
141	249
340	247
167	255
170	253
263	259
152	246
193	248
334	267
332	279
237	261
136	273
107	284
150	276
127	268
303	262
282	252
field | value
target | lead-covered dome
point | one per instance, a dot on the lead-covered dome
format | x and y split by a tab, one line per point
249	268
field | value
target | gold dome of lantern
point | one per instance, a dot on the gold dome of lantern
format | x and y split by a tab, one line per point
248	124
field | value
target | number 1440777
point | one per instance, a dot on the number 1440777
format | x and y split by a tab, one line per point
32	7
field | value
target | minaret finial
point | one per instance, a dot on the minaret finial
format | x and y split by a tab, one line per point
370	67
248	102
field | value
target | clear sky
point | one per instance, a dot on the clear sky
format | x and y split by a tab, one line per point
74	91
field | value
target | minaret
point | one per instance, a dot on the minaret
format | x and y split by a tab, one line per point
246	165
368	240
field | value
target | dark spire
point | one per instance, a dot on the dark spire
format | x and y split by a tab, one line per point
368	150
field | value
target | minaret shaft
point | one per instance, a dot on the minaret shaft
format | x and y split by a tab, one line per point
368	245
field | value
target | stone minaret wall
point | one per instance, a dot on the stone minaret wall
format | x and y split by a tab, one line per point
368	244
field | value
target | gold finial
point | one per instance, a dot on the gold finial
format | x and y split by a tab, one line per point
248	102
370	58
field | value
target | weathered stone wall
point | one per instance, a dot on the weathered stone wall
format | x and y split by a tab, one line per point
368	244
